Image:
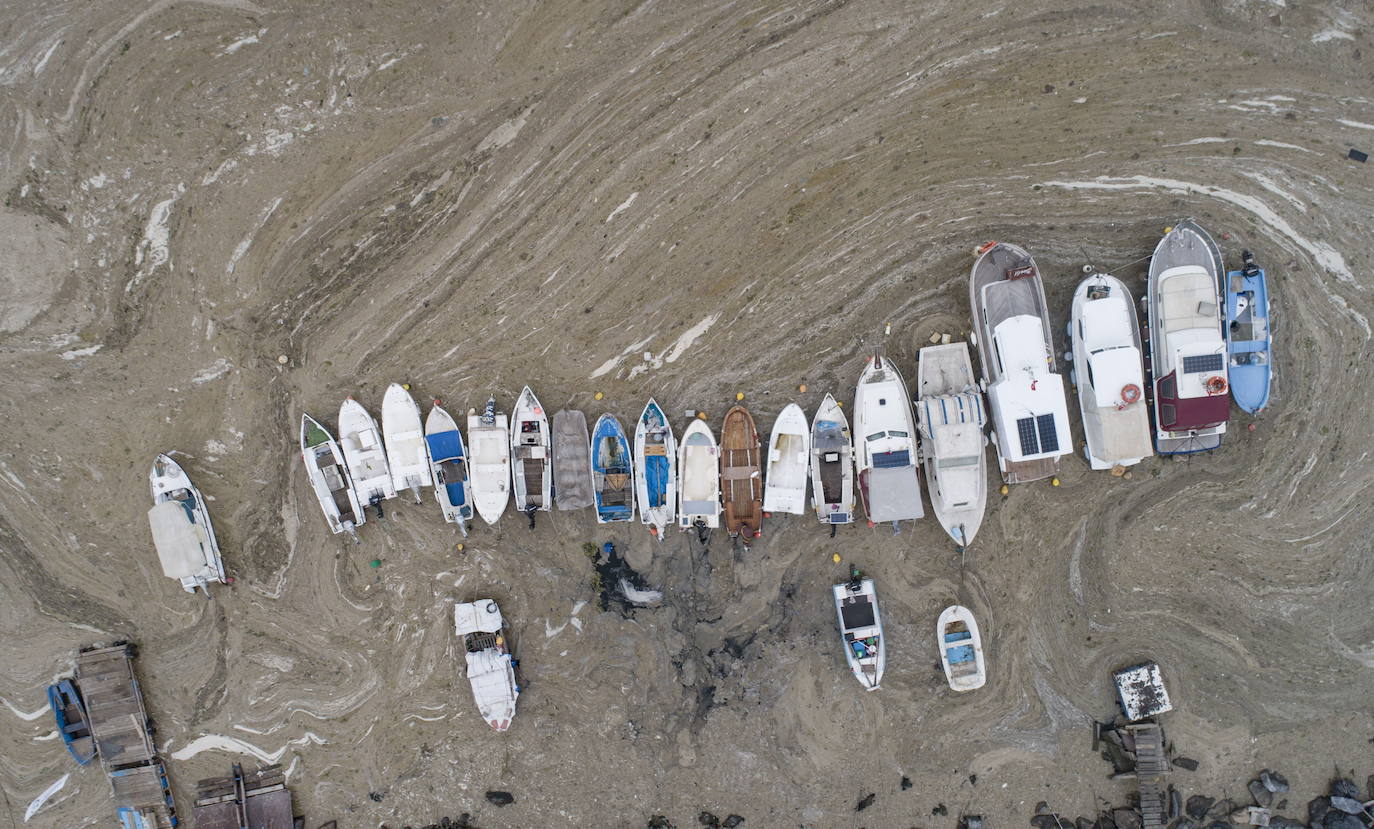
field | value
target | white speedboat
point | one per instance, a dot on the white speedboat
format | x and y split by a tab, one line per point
861	629
531	456
449	462
789	456
885	444
655	456
361	442
698	485
330	478
490	667
489	461
1108	371
961	649
405	441
832	465
182	532
572	460
949	411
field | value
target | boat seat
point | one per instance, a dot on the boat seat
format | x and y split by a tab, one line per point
831	457
961	654
367	439
739	473
958	637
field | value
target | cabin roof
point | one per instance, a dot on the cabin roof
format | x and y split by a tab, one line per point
1106	322
1112	370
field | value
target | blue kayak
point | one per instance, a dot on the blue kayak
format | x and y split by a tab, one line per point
612	472
1248	337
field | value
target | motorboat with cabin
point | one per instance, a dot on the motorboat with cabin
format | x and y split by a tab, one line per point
1248	340
182	532
490	666
1109	373
950	417
885	444
329	478
861	629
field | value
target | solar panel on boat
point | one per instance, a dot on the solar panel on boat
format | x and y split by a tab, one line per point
1201	363
1049	438
1025	430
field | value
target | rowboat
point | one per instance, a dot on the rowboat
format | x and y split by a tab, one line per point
961	649
612	472
182	532
530	447
950	415
789	457
330	478
655	470
741	482
69	713
489	461
832	465
698	469
405	441
363	451
449	463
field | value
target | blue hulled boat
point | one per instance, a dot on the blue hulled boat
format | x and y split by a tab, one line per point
612	472
1247	335
69	712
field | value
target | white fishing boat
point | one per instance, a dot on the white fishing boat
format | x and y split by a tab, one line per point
449	462
832	465
572	460
789	457
961	649
361	442
950	414
182	532
861	629
1109	372
490	667
489	461
330	478
885	444
698	470
406	450
655	456
531	456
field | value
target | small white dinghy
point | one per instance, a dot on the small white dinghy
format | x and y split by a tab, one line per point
489	461
450	467
698	478
861	629
330	478
361	442
789	457
961	648
405	441
655	456
490	667
950	416
531	456
832	465
182	532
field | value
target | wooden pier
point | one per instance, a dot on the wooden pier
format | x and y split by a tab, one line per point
257	800
1151	771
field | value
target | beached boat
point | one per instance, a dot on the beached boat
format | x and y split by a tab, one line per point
531	461
950	415
961	649
1011	322
69	712
489	461
490	666
861	629
656	470
1187	349
789	457
572	460
363	451
613	477
885	444
1248	337
405	441
330	478
449	463
741	483
182	532
1109	373
832	465
698	469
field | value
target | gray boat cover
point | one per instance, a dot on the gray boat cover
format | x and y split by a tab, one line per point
572	460
894	494
183	547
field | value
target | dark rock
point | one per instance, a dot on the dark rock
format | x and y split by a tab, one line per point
1104	821
1273	781
1084	823
1260	793
939	809
1175	802
973	780
500	798
660	822
1126	818
731	821
1185	823
866	801
1186	763
1198	805
1340	820
1281	805
971	822
1281	822
1369	786
1047	822
1042	808
708	819
1219	824
1222	809
906	782
375	797
1317	808
1349	805
1345	788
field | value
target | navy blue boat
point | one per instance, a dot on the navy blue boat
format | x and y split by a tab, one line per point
70	714
613	481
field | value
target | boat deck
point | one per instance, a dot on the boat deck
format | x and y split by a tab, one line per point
1151	771
258	800
114	706
1022	472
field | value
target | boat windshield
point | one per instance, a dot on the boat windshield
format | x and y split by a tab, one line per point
876	436
897	433
954	463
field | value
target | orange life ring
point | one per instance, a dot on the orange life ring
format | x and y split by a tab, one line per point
1216	385
1130	393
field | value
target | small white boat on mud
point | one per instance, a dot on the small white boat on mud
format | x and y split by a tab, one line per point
1110	375
832	465
949	411
961	649
405	441
531	456
330	478
489	461
885	444
490	667
655	456
861	629
361	442
182	532
698	487
572	460
449	463
789	457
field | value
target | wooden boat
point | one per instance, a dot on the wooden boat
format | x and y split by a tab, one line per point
489	461
490	666
405	441
330	478
365	454
1248	339
531	456
861	629
69	713
741	479
961	649
449	463
613	479
950	417
698	486
832	465
655	455
789	456
1109	373
885	444
1011	328
572	460
182	532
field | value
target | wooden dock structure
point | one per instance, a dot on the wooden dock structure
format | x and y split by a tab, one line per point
1151	770
257	800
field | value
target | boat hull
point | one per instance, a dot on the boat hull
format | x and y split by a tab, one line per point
961	649
698	486
1249	342
531	455
951	419
613	484
182	531
832	464
861	631
572	460
741	482
489	464
449	465
329	477
789	457
365	453
1109	373
655	455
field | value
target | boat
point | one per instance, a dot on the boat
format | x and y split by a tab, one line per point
69	712
531	467
885	444
656	470
572	460
789	457
1248	339
182	532
832	465
329	477
405	441
741	479
1187	349
861	629
950	416
490	667
1109	373
365	454
613	483
961	649
698	485
449	463
1011	322
489	461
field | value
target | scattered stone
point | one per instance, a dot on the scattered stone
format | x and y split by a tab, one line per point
1186	763
1369	786
972	778
866	801
731	821
1083	823
1349	805
906	783
1273	781
1317	808
1042	808
1175	802
500	798
1345	788
1281	822
1185	823
1341	820
939	809
1126	818
1222	809
708	819
1047	822
660	822
1104	821
970	822
1198	805
1219	824
375	797
1261	793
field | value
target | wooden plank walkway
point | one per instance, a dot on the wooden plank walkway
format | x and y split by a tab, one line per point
1151	770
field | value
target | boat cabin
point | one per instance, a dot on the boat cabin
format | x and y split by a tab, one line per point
1027	401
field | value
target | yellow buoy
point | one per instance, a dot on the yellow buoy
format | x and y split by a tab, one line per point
405	386
1054	482
839	403
702	416
1168	229
802	388
739	395
835	558
460	547
1005	489
598	395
